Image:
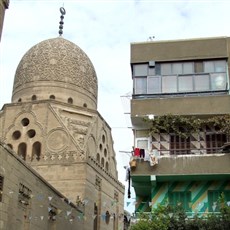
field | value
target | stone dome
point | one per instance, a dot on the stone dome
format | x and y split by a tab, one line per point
56	69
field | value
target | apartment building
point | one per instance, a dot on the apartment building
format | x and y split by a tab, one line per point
180	117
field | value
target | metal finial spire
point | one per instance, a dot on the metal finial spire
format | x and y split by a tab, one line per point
63	12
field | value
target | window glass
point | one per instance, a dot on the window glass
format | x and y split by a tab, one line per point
142	144
209	67
154	85
220	66
198	67
157	69
169	84
218	81
166	69
177	68
185	83
201	82
140	70
180	197
141	85
187	67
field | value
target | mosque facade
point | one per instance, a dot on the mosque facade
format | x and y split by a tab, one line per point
53	126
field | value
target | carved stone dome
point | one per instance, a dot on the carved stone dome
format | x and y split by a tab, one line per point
56	69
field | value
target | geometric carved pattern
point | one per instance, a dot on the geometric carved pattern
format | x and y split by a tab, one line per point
57	140
63	157
57	60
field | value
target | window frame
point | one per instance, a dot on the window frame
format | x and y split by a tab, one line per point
197	71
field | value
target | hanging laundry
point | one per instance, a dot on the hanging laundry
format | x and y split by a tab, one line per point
142	153
137	152
153	159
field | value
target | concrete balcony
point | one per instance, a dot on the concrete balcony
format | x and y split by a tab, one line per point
202	106
179	168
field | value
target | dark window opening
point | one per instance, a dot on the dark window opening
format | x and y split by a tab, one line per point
24	195
107	217
16	135
1	187
179	145
36	150
52	97
98	158
31	133
34	98
10	146
25	121
107	166
95	218
215	141
70	100
22	150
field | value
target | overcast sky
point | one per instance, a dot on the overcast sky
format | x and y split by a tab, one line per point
104	30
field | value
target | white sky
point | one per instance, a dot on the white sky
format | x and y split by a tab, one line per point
104	30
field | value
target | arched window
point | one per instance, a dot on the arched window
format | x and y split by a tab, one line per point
107	166
98	158
52	97
34	98
70	100
22	150
102	162
36	150
10	146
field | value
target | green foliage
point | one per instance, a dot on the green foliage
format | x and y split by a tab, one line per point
185	125
166	217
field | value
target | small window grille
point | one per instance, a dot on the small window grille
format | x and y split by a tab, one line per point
1	187
24	196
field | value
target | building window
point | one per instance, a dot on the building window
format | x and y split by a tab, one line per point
180	77
25	121
36	150
52	212
214	141
16	135
10	146
95	217
107	166
34	98
102	162
70	100
142	143
98	157
52	97
213	199
141	85
179	145
182	198
140	70
169	84
24	196
1	187
198	67
31	133
22	150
